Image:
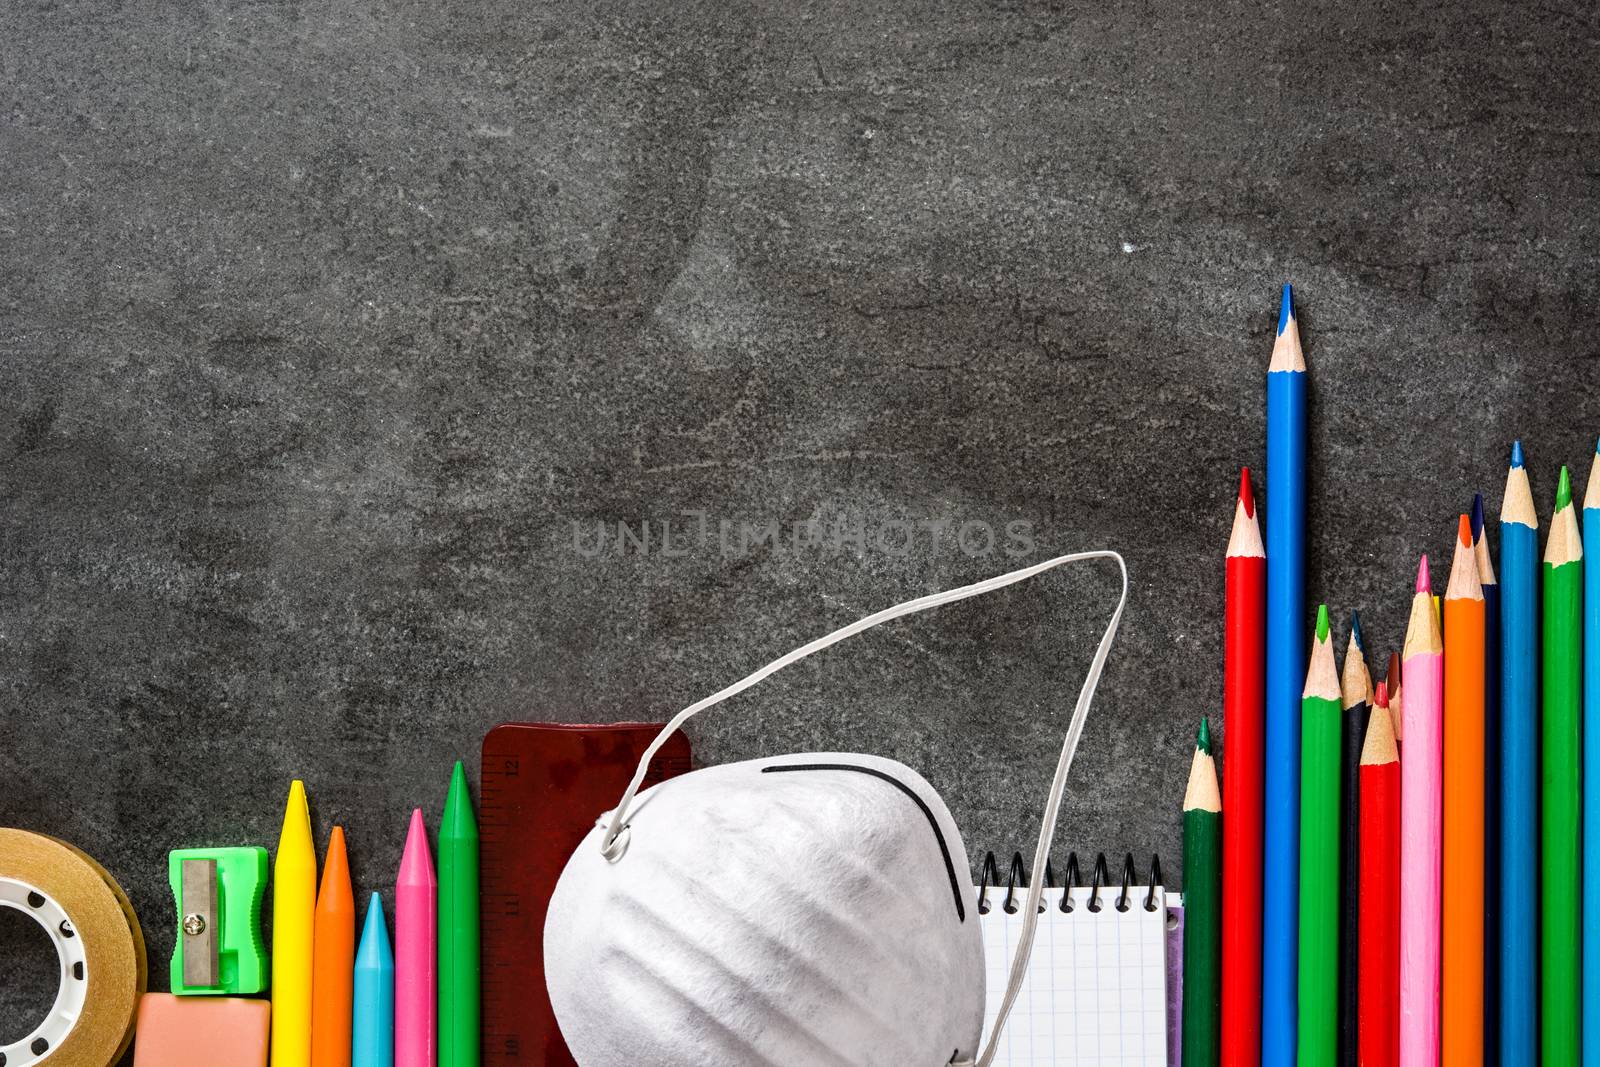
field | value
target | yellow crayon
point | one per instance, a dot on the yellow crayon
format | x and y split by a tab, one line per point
294	902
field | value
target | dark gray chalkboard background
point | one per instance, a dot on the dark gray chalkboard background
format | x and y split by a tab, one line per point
324	323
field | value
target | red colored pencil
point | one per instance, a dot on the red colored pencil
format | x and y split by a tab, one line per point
1379	953
1244	767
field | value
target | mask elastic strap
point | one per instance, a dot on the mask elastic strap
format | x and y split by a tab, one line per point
614	843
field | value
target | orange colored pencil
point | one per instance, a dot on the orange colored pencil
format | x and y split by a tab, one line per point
1462	909
333	959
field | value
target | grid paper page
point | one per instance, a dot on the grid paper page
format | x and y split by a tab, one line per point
1096	988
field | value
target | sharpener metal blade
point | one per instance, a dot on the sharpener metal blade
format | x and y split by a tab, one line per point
199	928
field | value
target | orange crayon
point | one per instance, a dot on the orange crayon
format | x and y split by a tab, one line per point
333	959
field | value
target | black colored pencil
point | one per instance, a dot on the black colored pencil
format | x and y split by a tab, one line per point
1356	699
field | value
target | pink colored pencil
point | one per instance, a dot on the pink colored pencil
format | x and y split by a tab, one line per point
1421	803
416	952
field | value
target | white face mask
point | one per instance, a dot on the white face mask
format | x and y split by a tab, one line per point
810	910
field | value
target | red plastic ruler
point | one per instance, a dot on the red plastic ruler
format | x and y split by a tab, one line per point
543	787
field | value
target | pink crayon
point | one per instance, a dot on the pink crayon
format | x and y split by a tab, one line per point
1421	804
416	952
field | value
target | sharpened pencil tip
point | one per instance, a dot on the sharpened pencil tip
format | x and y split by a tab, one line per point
1564	489
1477	517
1380	697
1247	493
1322	622
1591	490
1355	631
1464	531
1516	453
1424	582
1203	738
1287	355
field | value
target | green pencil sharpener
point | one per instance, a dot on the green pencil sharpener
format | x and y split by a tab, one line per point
218	892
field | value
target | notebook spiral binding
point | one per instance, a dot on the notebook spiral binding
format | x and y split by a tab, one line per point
1016	884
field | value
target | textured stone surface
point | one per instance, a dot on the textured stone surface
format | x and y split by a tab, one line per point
325	321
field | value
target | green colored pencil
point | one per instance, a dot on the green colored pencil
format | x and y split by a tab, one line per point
458	927
1563	709
1321	720
1202	852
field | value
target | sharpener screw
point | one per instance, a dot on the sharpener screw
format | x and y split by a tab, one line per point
194	925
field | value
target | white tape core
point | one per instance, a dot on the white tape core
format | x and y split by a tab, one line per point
73	990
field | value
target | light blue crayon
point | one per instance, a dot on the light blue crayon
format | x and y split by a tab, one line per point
372	1021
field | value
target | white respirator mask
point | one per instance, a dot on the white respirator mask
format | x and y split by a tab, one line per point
811	910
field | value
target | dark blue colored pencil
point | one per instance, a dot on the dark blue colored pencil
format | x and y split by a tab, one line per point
1286	669
1519	769
1356	699
1491	815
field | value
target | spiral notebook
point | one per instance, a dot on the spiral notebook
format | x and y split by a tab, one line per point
1097	988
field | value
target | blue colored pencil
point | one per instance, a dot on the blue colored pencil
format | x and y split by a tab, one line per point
1491	815
1519	764
1590	1028
1286	670
372	1018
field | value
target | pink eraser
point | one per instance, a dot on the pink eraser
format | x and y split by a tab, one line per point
201	1032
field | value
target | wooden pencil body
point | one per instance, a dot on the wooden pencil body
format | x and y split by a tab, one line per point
1354	729
1285	667
1492	821
1420	832
1242	782
1462	906
1380	915
1317	1026
1518	859
1483	552
1202	847
1561	935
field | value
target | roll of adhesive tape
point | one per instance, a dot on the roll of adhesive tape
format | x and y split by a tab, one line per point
101	950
